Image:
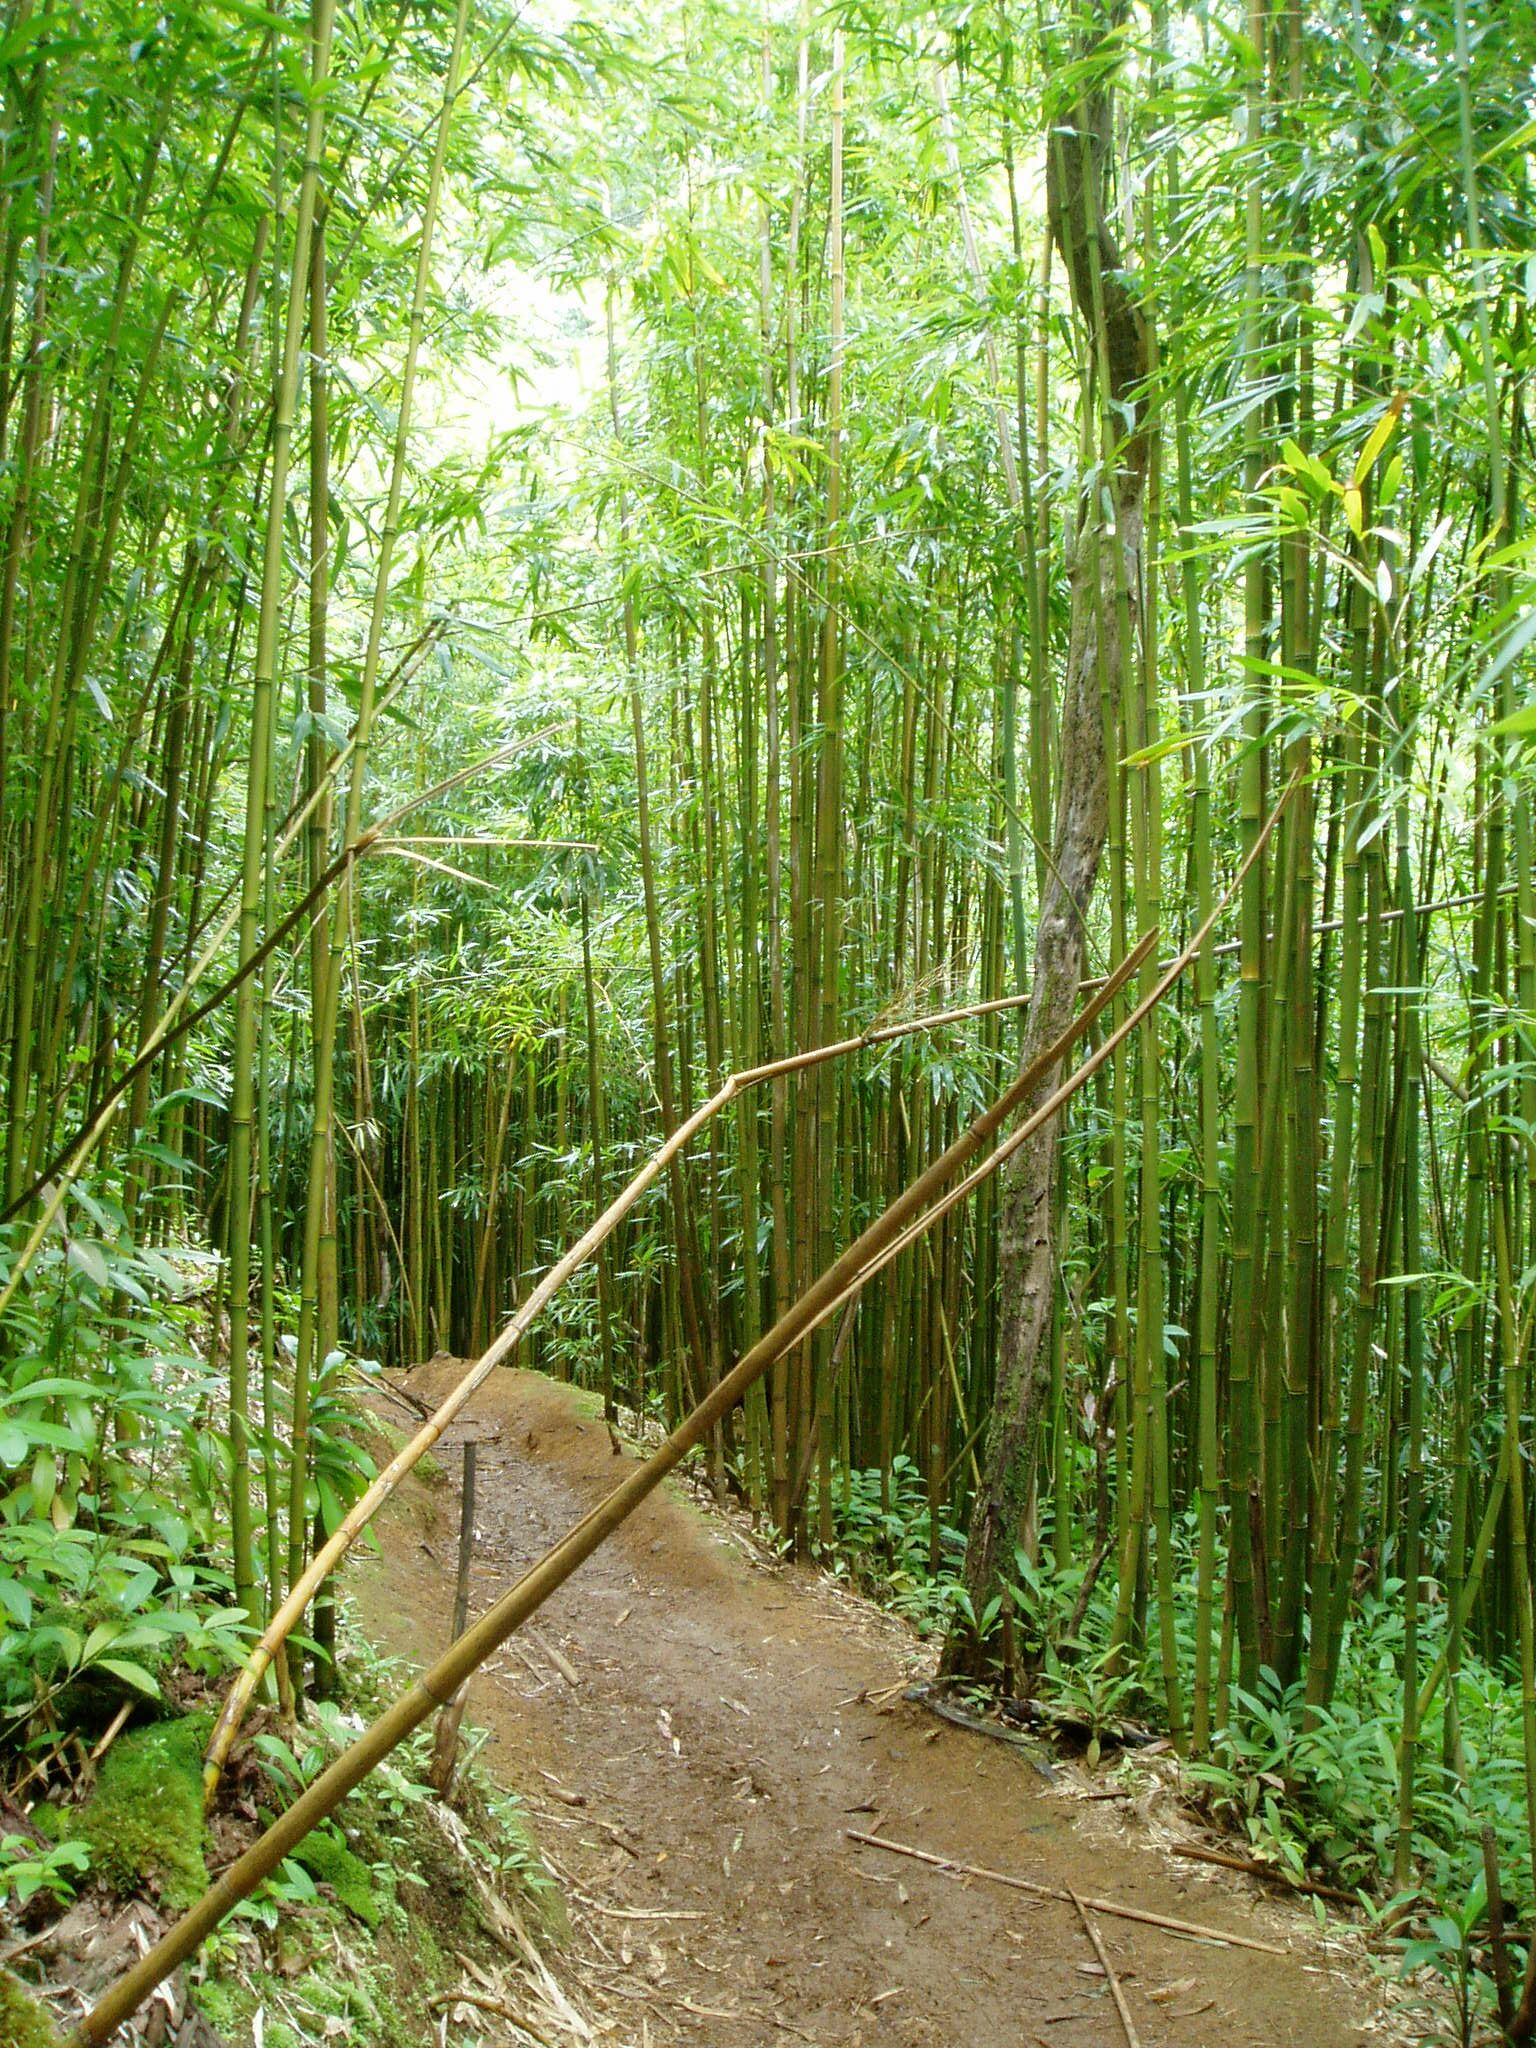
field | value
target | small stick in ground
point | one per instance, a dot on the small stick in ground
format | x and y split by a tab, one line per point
1133	2039
1190	1928
533	1670
563	1792
561	1662
114	1729
445	1748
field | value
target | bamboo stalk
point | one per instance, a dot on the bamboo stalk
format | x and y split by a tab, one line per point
254	849
1133	2039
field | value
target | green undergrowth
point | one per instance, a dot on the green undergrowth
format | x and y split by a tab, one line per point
1312	1792
367	1922
361	1927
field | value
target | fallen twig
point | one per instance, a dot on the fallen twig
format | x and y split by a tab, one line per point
1133	2039
21	1948
114	1729
1190	1928
561	1662
1272	1872
542	1678
563	1792
642	1912
482	2003
389	1388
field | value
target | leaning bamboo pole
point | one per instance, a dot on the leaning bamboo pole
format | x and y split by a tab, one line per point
438	1686
499	1352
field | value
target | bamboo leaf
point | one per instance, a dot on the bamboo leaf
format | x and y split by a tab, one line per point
1516	640
1378	438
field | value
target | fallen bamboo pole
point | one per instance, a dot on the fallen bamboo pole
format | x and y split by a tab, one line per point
325	1560
1267	1873
952	1867
437	1686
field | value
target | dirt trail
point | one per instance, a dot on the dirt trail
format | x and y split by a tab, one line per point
716	1734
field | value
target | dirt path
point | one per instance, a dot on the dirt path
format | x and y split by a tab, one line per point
717	1736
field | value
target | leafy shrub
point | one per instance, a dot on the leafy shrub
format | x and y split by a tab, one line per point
28	1868
886	1547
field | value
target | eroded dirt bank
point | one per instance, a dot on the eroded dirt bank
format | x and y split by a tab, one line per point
706	1709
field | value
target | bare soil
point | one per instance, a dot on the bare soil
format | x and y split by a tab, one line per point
720	1737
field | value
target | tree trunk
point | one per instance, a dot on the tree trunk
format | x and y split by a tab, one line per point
1105	578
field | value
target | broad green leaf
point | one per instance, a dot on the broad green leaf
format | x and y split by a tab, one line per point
1516	640
90	1259
132	1674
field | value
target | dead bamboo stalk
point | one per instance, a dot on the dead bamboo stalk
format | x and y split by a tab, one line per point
1090	1928
953	1868
1267	1873
1503	1981
334	1549
437	1686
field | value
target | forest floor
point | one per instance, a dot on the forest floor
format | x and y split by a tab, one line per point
723	1720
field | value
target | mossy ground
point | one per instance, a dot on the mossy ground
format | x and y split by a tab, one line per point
329	1861
143	1824
23	2023
367	1922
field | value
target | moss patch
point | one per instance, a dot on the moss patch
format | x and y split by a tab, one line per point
331	1862
23	2022
144	1823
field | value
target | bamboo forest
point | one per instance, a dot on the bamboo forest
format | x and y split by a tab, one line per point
768	1013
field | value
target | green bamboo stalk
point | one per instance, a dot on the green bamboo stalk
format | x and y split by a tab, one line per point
1413	1351
1242	1478
1206	1321
319	1214
242	1107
